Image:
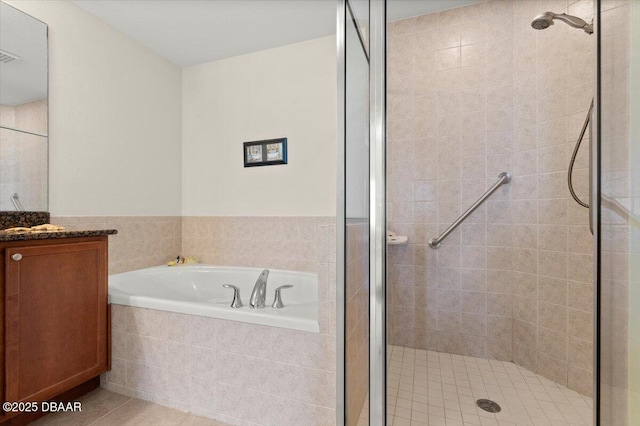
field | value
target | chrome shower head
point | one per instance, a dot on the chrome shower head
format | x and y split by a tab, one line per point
542	21
545	20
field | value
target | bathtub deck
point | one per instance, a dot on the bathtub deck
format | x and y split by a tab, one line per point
103	407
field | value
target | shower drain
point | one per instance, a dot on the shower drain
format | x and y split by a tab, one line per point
488	405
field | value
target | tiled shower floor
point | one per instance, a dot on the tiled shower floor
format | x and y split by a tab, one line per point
432	388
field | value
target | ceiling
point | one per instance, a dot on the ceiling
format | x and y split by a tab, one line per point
190	32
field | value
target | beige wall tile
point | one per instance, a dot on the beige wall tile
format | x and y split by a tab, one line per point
552	316
188	375
524	309
499	304
552	290
580	296
552	368
580	380
552	263
524	356
580	267
580	324
499	281
141	242
498	102
552	343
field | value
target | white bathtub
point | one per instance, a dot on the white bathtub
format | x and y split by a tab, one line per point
197	290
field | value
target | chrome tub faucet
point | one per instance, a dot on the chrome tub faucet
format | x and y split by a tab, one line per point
259	293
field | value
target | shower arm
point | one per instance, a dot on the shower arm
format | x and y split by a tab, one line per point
503	178
575	22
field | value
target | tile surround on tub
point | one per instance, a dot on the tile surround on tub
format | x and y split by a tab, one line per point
141	242
176	360
222	369
288	243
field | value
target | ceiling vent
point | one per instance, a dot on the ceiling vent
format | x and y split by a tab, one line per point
6	57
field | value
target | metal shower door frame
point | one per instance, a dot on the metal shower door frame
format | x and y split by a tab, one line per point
377	210
341	29
594	211
377	214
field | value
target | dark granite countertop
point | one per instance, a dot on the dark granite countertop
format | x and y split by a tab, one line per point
4	236
23	219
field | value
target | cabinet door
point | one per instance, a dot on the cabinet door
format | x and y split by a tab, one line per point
56	318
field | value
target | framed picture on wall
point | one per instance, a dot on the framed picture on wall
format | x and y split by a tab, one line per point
265	153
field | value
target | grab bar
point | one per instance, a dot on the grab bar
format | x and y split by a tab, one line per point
615	206
504	177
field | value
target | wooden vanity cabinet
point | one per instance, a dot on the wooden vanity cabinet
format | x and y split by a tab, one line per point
53	316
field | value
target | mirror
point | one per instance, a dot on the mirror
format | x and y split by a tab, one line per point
23	111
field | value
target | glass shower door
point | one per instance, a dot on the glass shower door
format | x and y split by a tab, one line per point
618	209
353	222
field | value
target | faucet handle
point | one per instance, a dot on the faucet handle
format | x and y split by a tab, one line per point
236	303
277	301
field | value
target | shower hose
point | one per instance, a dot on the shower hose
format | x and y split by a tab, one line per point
573	158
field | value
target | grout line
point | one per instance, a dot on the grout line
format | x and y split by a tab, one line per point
116	408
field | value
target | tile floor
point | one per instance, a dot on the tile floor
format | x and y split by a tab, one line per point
105	408
424	389
431	388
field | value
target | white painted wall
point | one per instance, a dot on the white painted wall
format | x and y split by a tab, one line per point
288	92
115	118
117	124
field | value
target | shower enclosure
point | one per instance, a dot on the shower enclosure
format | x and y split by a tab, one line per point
487	313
